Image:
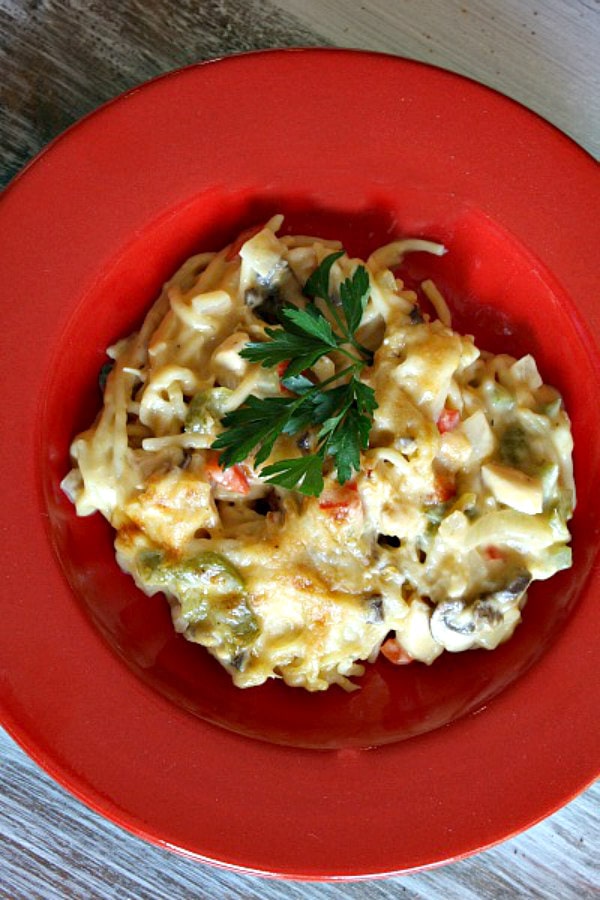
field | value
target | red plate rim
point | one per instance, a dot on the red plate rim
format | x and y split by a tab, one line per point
81	714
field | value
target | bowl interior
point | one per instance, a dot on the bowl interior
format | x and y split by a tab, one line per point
498	291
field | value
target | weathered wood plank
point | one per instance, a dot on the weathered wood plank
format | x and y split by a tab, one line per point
54	847
62	58
543	54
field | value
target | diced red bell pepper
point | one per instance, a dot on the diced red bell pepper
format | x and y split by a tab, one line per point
444	489
341	500
395	653
232	479
448	420
493	552
281	370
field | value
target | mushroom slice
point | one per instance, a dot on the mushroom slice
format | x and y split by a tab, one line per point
514	590
453	625
268	294
485	622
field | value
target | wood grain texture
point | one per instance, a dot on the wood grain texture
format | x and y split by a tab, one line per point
53	847
543	53
59	60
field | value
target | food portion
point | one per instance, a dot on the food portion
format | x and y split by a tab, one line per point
314	470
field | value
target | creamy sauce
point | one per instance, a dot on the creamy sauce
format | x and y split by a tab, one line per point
461	500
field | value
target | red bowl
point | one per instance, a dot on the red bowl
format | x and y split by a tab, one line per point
96	685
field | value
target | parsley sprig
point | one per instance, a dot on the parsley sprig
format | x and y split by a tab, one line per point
341	407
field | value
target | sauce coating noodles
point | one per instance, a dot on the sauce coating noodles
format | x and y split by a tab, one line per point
461	499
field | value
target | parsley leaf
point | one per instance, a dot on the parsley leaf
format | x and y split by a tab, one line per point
257	423
301	350
304	474
342	408
297	384
318	283
354	293
345	434
344	447
305	322
364	397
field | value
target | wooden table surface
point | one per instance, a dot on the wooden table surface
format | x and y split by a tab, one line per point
60	60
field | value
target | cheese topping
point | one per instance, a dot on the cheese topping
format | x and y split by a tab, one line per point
461	500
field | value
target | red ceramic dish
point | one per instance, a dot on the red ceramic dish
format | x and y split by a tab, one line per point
423	765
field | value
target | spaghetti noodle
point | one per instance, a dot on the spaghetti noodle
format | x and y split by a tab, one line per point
461	500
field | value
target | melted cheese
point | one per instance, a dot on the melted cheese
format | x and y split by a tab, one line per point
461	498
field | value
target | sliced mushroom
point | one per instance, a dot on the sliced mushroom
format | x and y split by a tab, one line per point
272	291
267	299
485	622
239	661
375	613
514	590
416	316
452	625
414	635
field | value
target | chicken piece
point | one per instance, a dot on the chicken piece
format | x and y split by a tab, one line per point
173	508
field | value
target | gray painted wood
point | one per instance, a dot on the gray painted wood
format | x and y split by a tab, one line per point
61	59
543	53
54	847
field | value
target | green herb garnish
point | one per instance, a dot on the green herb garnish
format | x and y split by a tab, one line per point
342	409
